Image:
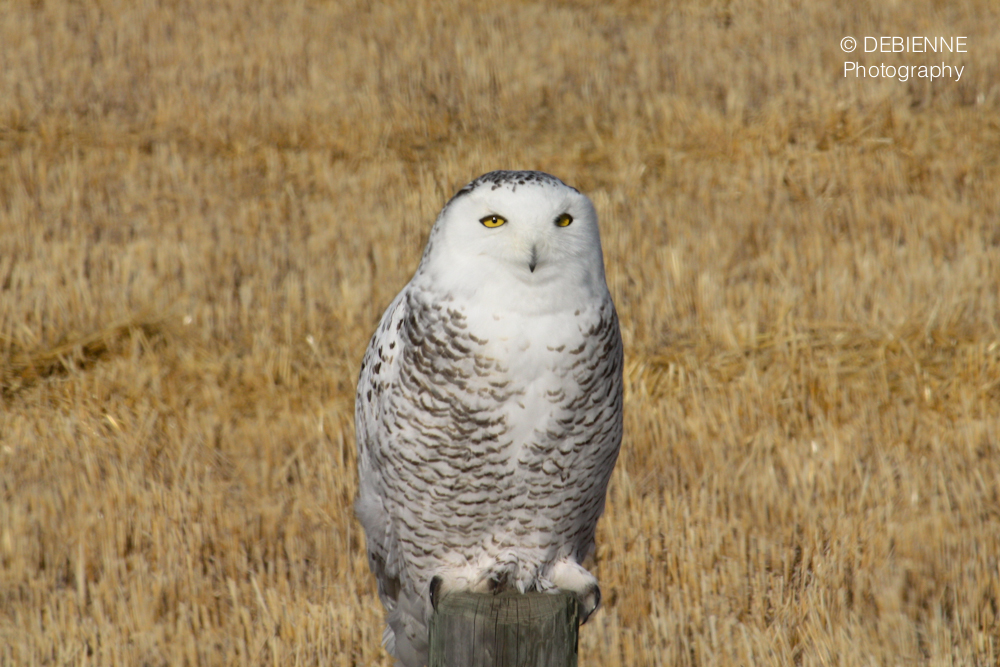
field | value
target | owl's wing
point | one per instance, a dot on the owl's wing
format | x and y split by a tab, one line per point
377	370
377	504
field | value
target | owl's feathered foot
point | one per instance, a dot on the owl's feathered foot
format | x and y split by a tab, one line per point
505	574
570	576
565	575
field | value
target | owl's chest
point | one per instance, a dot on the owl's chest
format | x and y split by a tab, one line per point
537	359
532	349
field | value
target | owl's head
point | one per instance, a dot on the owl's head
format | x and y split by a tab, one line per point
516	235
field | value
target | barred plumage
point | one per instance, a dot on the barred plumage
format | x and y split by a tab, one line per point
489	406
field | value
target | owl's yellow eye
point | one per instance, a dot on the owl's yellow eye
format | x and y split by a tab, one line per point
564	220
493	221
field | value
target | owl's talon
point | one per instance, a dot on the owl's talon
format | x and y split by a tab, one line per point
589	600
436	582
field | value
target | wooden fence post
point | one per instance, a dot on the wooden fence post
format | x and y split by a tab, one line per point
505	630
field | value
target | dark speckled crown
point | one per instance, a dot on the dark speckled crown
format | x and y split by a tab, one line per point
498	179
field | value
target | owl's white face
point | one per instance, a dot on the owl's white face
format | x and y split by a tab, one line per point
519	240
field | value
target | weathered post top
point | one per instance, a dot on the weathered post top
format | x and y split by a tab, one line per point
505	630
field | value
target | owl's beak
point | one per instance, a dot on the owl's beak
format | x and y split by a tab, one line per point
533	262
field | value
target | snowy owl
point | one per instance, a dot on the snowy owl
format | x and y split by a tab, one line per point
489	406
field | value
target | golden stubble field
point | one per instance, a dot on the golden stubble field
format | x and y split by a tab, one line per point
205	207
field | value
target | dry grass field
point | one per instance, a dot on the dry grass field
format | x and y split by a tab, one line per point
205	207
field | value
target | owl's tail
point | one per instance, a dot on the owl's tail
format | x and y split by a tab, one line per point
405	635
